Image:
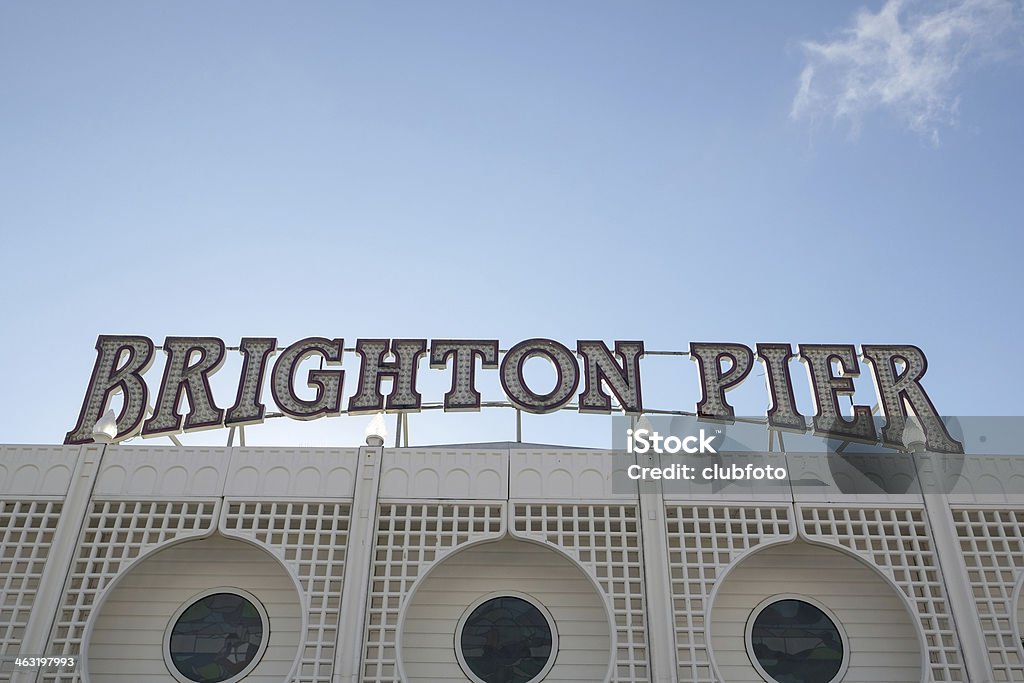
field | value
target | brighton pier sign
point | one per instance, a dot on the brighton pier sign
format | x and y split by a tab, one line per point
122	360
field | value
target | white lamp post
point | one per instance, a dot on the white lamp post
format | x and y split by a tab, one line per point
105	429
376	431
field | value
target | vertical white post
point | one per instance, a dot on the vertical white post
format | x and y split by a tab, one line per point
954	572
658	584
63	548
362	539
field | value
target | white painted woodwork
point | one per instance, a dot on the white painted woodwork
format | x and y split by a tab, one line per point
428	643
128	636
882	637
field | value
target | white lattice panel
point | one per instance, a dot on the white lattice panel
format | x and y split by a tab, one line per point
410	537
564	474
311	539
992	543
605	539
36	470
116	533
896	540
463	474
162	471
703	540
292	473
26	532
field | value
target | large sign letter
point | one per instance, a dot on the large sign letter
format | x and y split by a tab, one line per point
827	387
181	373
714	382
898	389
514	384
249	408
110	375
326	382
463	352
403	396
622	378
783	413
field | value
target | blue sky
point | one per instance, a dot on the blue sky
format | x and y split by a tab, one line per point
571	170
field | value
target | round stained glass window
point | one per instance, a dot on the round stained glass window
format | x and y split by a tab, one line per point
506	639
217	638
791	640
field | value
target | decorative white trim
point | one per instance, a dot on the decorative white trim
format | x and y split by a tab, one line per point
506	594
810	601
253	600
1011	609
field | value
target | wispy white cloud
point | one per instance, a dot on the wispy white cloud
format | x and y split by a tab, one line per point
907	60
